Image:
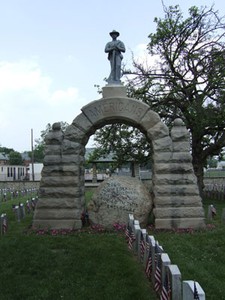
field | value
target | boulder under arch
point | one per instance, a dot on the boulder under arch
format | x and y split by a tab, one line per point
177	203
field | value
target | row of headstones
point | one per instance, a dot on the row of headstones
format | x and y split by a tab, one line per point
165	277
214	191
9	193
20	212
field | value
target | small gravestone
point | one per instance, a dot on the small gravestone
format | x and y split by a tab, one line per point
22	211
17	212
211	212
175	281
192	290
116	198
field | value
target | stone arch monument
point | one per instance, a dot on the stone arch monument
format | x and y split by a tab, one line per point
177	203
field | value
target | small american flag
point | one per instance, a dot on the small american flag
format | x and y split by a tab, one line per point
142	244
157	273
127	233
130	236
166	290
148	268
196	296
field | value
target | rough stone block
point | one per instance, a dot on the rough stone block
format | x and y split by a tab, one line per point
177	201
125	109
59	192
57	203
171	168
182	157
171	223
158	131
52	150
57	213
176	179
111	91
72	159
60	181
54	137
118	196
57	224
178	212
181	146
162	157
75	134
52	160
181	190
70	147
82	122
60	170
180	133
149	120
162	145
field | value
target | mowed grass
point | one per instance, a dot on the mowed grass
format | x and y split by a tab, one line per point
81	265
88	265
200	255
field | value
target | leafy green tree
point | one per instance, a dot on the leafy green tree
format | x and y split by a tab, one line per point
212	162
15	158
126	143
5	150
187	78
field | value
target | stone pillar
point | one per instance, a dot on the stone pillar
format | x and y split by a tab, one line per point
59	204
177	200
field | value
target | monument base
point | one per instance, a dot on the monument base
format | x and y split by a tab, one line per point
114	90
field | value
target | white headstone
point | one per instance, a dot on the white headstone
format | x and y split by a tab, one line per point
175	280
188	290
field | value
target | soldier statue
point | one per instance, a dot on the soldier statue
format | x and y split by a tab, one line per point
114	50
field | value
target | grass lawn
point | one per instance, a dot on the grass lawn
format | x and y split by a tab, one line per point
86	265
82	265
200	255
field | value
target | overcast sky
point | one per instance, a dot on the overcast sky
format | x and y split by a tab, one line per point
52	55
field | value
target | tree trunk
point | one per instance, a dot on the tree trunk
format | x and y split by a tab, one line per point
198	162
199	173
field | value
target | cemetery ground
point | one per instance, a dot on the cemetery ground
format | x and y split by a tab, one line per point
98	265
80	265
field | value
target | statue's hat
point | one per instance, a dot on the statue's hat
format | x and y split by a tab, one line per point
114	32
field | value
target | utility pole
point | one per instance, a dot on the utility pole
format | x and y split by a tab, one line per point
32	154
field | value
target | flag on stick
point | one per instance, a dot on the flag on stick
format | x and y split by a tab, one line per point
166	289
148	269
130	237
196	296
157	272
142	244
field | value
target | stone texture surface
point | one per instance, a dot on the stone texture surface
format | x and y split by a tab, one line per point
124	109
118	196
110	91
174	188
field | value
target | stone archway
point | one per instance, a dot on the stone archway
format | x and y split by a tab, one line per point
177	203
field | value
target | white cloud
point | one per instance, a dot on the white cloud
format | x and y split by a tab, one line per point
29	100
64	96
21	75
